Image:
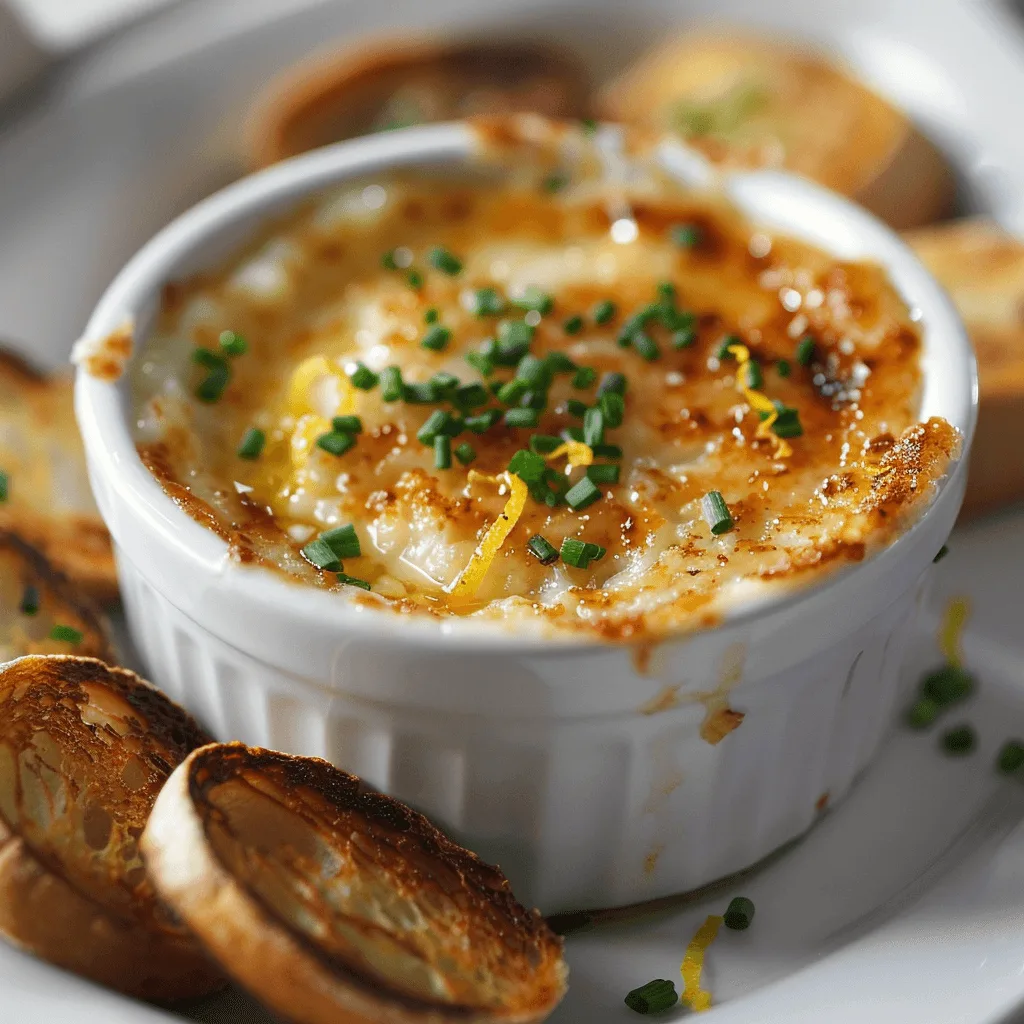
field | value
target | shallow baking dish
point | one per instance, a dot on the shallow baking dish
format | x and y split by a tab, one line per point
595	774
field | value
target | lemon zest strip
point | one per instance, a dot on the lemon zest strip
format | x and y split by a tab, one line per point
693	964
760	403
957	612
579	454
472	576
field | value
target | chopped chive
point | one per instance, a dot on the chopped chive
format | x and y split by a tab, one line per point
555	182
436	339
544	444
233	343
68	634
363	377
343	541
754	378
573	325
511	391
465	453
391	386
348	424
455	426
484	421
534	371
352	581
574	407
213	387
943	551
603	311
208	358
573	434
805	351
739	914
442	452
960	741
424	393
716	512
481	362
535	299
435	424
252	444
646	346
534	400
414	279
947	685
29	600
542	549
488	302
593	427
584	378
613	405
387	261
636	323
4	487
528	466
336	442
922	713
612	382
787	423
1011	757
603	472
725	344
471	396
666	292
559	362
582	493
686	236
431	316
522	417
514	339
322	555
607	451
577	553
655	997
686	337
782	367
588	126
444	383
441	259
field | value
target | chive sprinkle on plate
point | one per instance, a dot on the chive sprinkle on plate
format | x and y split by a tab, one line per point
655	997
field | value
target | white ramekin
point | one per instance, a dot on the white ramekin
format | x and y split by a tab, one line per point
579	768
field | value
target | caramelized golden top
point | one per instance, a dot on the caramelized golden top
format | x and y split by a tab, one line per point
698	295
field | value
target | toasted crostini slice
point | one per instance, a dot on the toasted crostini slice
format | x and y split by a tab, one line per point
332	903
394	82
84	749
751	101
48	501
982	268
41	611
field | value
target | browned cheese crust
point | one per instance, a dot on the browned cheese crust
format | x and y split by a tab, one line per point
332	903
84	749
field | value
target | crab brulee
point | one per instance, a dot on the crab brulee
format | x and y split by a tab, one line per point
575	402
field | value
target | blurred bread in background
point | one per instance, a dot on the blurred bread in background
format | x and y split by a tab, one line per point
396	82
982	268
750	101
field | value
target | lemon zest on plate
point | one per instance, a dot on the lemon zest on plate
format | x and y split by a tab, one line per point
950	634
692	966
472	576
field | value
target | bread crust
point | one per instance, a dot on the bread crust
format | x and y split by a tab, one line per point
83	750
312	980
340	95
50	505
758	102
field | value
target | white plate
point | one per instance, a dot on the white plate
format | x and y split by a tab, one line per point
906	903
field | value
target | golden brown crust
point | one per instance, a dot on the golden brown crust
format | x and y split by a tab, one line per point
982	268
84	749
333	903
60	602
106	358
749	100
334	97
49	501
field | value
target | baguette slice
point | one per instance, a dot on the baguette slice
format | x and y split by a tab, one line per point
749	101
49	501
84	749
27	581
332	903
394	82
982	268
